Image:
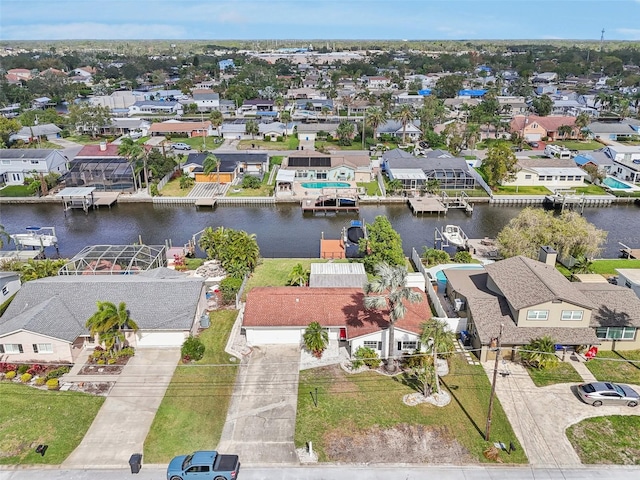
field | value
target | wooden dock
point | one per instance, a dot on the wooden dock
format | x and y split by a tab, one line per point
105	199
331	249
427	205
628	252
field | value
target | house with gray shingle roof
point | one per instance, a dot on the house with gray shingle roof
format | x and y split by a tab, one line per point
16	164
45	322
531	299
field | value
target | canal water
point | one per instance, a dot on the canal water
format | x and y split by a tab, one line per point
282	230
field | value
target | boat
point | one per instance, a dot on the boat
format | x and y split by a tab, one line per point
40	237
454	236
352	236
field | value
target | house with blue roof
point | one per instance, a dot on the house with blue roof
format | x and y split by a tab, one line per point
469	93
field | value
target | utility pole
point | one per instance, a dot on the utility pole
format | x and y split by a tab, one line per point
364	116
493	384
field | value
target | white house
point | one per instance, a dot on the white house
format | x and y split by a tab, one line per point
9	285
630	278
206	99
626	161
155	106
280	315
553	173
19	163
46	131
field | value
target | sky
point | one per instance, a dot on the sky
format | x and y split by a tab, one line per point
319	19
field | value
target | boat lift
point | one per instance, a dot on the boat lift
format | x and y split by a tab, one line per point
36	238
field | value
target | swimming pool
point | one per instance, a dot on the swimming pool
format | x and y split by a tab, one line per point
441	276
326	185
617	184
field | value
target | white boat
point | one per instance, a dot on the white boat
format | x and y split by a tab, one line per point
454	235
41	237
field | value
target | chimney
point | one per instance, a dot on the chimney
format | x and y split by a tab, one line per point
103	146
548	255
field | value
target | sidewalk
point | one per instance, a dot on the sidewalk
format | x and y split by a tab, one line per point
578	362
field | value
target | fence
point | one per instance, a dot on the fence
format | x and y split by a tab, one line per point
166	178
381	184
241	291
478	178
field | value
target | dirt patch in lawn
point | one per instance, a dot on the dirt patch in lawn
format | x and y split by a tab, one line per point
403	443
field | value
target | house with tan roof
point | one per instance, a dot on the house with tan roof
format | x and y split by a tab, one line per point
280	315
553	173
16	75
190	129
534	128
532	299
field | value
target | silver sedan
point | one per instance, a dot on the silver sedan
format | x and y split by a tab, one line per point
608	393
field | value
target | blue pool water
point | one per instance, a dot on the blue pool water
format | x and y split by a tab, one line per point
326	185
613	183
442	278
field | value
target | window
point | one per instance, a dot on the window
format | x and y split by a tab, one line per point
13	348
563	178
6	162
373	344
616	333
527	177
42	348
35	162
537	314
5	290
572	314
408	345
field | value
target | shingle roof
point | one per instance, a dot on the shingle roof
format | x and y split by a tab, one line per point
614	306
550	123
331	307
60	306
25	153
525	282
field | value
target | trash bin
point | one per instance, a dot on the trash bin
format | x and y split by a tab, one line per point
135	462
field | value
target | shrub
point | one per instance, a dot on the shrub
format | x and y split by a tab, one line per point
111	361
462	257
414	361
22	369
57	372
229	287
101	361
36	369
366	356
192	349
126	352
26	377
7	367
250	181
10	375
40	381
53	384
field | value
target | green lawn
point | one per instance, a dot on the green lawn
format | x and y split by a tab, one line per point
590	190
85	139
372	188
29	417
579	145
15	191
502	190
194	409
193	263
333	145
561	373
288	143
353	405
616	366
607	440
608	266
172	189
475	192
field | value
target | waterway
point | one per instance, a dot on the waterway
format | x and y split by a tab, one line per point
282	230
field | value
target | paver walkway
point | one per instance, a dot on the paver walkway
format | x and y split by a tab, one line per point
123	422
540	416
261	420
578	362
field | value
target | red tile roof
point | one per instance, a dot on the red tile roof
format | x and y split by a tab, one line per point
550	124
94	151
331	307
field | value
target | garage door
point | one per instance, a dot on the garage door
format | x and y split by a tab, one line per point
257	336
161	339
533	137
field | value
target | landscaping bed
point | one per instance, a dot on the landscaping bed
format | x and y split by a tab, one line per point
101	362
607	440
361	418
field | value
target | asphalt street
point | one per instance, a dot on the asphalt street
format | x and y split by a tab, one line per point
348	472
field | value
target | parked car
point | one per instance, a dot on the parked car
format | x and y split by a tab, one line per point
204	465
181	146
135	134
534	144
608	393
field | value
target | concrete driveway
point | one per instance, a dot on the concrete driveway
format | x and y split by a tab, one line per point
261	420
123	422
540	416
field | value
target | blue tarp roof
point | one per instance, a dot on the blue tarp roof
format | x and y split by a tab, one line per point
266	114
582	159
425	92
472	93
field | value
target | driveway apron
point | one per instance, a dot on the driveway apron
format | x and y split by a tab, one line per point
123	422
540	416
261	420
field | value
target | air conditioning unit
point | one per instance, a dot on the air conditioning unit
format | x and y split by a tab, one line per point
458	304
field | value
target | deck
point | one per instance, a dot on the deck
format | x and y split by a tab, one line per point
426	205
331	249
105	199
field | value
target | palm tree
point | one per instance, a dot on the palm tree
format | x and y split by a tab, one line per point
251	128
583	265
133	152
376	116
436	333
389	290
108	323
217	119
564	130
211	163
582	120
540	353
345	132
404	115
471	135
316	339
298	275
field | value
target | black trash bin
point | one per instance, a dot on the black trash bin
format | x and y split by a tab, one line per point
135	462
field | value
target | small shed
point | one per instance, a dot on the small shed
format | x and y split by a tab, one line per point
348	275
